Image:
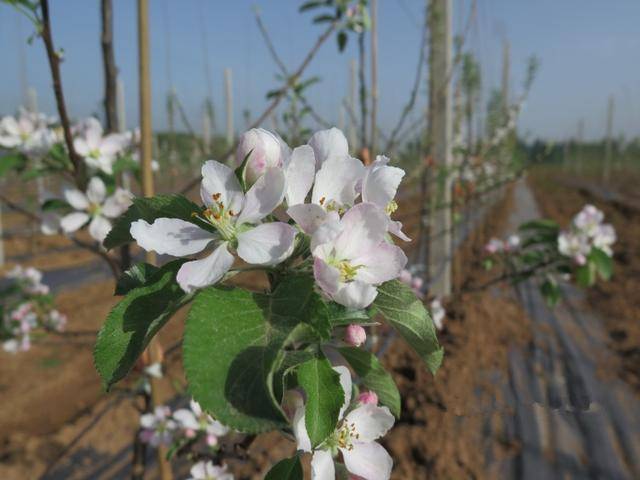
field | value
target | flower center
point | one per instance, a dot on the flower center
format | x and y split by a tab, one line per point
221	217
347	271
346	435
391	207
332	206
94	209
94	154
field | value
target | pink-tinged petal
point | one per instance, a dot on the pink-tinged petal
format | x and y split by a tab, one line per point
186	419
364	227
265	150
96	190
266	244
73	221
76	198
336	182
93	133
355	295
396	229
220	179
263	197
370	422
326	276
148	420
347	387
300	430
205	272
81	147
381	182
170	236
113	144
380	264
308	216
329	144
327	231
99	228
322	467
368	460
300	173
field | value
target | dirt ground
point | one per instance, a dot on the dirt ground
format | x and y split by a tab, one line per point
617	300
441	434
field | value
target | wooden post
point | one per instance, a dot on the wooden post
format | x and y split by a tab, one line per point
374	78
154	352
1	240
353	92
228	93
441	134
608	147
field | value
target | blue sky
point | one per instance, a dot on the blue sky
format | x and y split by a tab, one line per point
588	50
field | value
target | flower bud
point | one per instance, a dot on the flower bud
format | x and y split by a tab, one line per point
264	150
355	335
368	397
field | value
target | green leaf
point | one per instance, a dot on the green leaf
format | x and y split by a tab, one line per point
287	469
170	206
603	263
10	162
550	291
54	204
374	376
240	171
134	321
406	313
310	5
586	275
342	40
340	316
124	164
542	224
323	18
135	277
233	345
321	384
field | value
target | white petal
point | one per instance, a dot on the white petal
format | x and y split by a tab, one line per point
117	203
186	419
50	224
380	264
329	144
355	295
76	198
347	386
220	179
199	470
381	182
170	236
93	133
113	144
368	460
300	430
81	147
364	227
370	421
336	182
300	173
148	420
263	197
327	231
96	190
396	229
322	467
266	244
99	228
308	216
326	276
205	272
73	221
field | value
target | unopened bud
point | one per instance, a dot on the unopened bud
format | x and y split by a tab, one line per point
355	335
368	397
265	151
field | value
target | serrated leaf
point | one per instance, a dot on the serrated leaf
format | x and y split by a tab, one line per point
134	321
287	469
170	206
603	263
406	313
325	397
374	376
135	277
233	345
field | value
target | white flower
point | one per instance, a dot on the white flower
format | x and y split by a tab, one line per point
158	427
194	419
208	471
379	186
28	132
154	370
99	152
231	215
329	144
437	312
95	207
574	245
352	262
30	278
604	237
265	149
588	220
354	437
56	320
512	243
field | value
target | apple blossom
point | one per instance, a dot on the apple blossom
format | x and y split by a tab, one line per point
208	471
368	398
512	243
158	427
354	437
99	152
574	245
588	220
355	335
95	207
604	237
329	144
494	245
29	132
193	420
437	313
350	265
234	217
265	149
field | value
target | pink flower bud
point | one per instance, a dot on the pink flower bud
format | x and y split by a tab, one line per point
212	440
416	283
190	433
265	150
405	276
355	335
368	397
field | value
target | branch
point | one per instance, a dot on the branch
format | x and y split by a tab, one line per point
20	209
54	65
109	63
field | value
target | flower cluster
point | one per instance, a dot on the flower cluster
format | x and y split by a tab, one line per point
586	233
28	132
27	307
496	245
162	427
415	282
319	185
359	426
